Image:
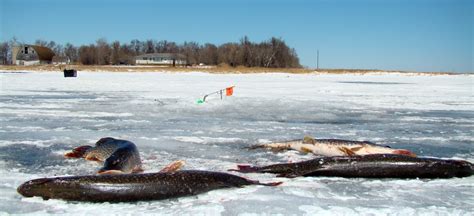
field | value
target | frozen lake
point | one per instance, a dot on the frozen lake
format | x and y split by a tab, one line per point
43	115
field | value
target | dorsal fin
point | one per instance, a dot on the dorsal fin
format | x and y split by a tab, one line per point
173	166
308	140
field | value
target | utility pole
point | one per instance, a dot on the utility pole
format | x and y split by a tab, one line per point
317	62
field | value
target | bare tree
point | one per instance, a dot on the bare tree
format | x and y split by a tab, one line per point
4	49
40	42
270	53
88	55
136	46
103	52
149	46
71	52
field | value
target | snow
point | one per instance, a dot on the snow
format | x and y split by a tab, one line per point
44	115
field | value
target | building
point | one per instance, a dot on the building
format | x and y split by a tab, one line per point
31	55
161	59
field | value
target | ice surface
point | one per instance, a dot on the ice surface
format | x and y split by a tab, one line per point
44	115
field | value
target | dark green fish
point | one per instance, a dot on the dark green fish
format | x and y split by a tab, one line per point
132	187
369	166
119	156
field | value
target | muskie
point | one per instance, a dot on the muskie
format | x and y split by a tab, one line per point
334	147
119	156
132	187
369	166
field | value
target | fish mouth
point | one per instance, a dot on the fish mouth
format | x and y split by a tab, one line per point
78	152
404	152
33	187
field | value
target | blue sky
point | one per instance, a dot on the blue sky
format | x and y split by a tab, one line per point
414	35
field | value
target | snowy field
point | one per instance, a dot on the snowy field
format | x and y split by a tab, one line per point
43	115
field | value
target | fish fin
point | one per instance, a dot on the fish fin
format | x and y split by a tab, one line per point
137	170
110	172
357	148
78	152
173	166
244	169
308	140
347	151
404	152
306	150
92	158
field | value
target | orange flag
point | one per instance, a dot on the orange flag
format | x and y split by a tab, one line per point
229	91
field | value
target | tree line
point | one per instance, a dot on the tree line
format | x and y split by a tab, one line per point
274	52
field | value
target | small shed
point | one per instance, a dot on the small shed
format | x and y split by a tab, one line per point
70	73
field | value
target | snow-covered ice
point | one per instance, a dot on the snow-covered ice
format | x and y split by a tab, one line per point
44	115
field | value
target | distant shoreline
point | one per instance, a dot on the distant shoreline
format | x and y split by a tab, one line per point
208	69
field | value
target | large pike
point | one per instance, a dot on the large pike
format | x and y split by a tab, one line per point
334	147
369	166
119	156
132	187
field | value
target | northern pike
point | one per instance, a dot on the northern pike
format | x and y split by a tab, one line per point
368	166
119	156
334	147
132	187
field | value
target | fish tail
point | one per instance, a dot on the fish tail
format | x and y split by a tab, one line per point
78	152
255	147
245	169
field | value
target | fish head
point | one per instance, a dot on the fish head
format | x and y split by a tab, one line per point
36	187
120	160
465	168
113	163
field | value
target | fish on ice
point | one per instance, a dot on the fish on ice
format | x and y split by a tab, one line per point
133	187
368	166
333	147
119	156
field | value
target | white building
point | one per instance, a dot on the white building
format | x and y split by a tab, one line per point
161	59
